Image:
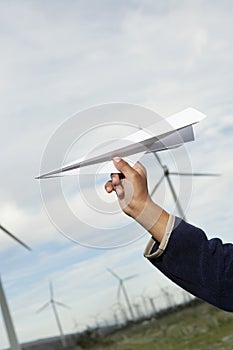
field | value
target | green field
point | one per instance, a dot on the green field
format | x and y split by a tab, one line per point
198	327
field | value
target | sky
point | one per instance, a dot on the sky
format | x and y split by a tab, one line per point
59	58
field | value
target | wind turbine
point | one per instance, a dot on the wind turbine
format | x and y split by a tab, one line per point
166	175
168	298
137	307
54	303
144	300
122	288
13	341
151	300
120	309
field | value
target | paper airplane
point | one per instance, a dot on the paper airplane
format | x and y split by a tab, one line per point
165	134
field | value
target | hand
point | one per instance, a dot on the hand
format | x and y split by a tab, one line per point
132	190
134	199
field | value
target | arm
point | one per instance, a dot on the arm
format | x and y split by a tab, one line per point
179	250
202	267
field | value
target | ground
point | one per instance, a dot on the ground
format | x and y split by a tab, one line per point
193	328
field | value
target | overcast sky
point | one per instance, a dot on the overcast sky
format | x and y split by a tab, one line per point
61	57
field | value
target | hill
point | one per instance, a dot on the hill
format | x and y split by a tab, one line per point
196	327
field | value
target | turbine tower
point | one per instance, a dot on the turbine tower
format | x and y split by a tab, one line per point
122	288
166	175
13	341
14	344
54	303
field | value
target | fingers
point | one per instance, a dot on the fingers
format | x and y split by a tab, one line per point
132	174
140	169
124	168
109	187
115	185
116	180
119	191
128	171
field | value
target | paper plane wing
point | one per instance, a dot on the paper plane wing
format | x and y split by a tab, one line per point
163	135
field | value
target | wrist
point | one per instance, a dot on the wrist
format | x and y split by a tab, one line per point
154	219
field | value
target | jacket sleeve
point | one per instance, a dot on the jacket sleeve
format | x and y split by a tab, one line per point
202	267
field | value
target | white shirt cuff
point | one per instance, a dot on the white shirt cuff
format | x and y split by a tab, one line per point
164	242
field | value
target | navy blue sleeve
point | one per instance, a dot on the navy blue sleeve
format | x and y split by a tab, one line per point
202	267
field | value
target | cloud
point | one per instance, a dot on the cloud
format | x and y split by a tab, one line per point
58	59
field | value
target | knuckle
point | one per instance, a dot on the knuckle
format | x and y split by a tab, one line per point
135	176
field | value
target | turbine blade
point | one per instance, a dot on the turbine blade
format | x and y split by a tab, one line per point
113	273
194	174
43	307
158	159
130	277
61	304
15	238
156	186
51	290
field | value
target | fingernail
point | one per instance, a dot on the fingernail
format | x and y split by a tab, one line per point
117	159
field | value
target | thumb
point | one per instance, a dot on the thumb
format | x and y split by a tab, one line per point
124	167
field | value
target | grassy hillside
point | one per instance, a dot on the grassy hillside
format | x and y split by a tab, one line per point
198	327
